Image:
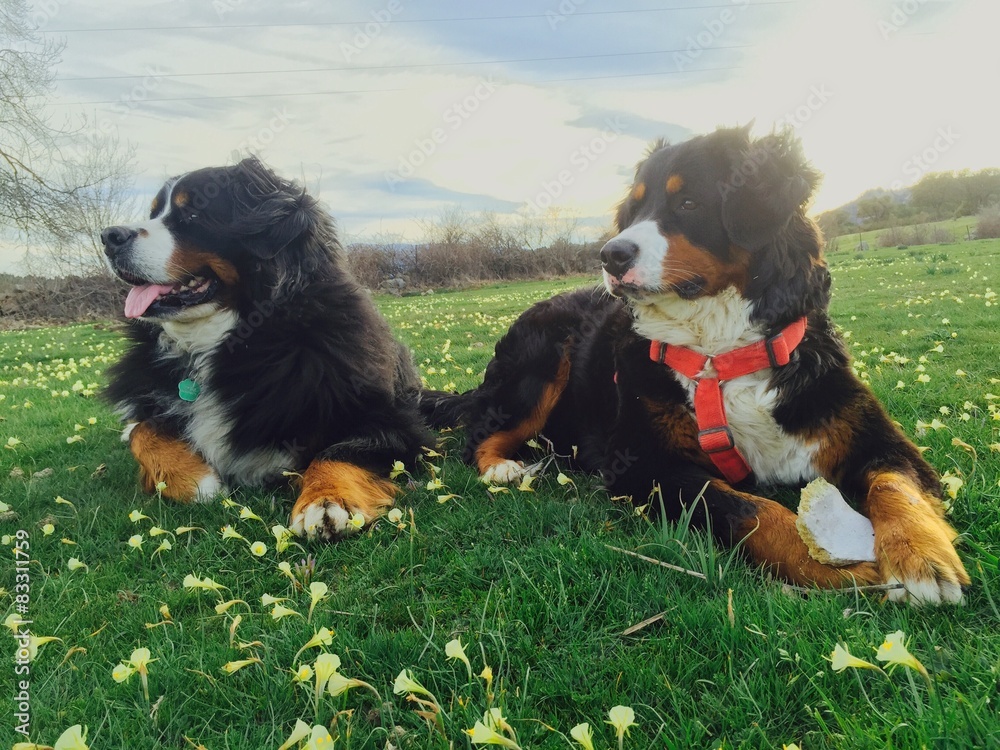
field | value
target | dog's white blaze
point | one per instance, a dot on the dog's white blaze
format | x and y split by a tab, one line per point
718	324
152	249
653	247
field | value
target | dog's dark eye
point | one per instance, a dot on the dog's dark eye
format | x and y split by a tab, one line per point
188	216
688	205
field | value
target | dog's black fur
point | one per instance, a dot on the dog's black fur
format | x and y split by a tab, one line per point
714	252
307	369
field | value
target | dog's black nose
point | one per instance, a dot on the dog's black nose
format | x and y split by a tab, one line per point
115	239
618	255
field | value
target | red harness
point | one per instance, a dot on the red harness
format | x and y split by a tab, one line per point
714	435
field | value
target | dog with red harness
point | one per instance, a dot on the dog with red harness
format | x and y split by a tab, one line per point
707	369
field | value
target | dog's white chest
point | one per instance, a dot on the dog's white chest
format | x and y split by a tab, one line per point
773	455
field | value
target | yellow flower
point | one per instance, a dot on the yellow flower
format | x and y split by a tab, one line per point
266	600
317	592
258	549
48	529
487	676
338	684
12	443
193	582
227	502
453	650
303	674
622	718
91	420
923	378
298	734
563	479
74	439
137	662
394	516
325	665
13	621
792	746
37	641
398	467
286	570
187	529
165	546
282	537
135	541
228	532
74	738
583	734
952	484
248	515
280	611
404	683
322	637
841	659
319	739
483	735
435	484
137	515
222	607
525	485
893	651
75	564
60	500
356	522
160	486
236	666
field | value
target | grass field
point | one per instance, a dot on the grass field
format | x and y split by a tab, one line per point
525	580
961	229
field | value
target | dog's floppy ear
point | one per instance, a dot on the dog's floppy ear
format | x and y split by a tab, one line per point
274	212
768	183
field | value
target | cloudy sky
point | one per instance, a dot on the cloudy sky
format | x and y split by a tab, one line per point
395	110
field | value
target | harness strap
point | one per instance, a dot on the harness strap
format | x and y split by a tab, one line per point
714	434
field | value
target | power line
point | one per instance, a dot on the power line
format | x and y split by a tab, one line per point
362	68
376	91
394	21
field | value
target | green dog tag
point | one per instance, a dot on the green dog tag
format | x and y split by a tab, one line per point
188	390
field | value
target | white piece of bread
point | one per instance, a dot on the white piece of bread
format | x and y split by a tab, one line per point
834	532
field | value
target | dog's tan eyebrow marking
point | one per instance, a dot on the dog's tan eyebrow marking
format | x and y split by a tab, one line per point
639	191
155	205
182	199
674	183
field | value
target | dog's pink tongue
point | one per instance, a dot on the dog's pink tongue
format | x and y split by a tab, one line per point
141	297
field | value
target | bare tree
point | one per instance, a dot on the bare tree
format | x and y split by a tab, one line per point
58	182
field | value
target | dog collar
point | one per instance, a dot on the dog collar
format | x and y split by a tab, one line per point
714	435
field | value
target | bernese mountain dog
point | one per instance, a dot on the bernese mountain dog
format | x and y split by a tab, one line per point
255	352
707	369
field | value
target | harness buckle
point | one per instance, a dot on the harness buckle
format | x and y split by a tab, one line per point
777	350
716	439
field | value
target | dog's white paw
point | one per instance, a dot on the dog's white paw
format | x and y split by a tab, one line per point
505	472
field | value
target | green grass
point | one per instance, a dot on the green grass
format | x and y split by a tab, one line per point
961	229
525	580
